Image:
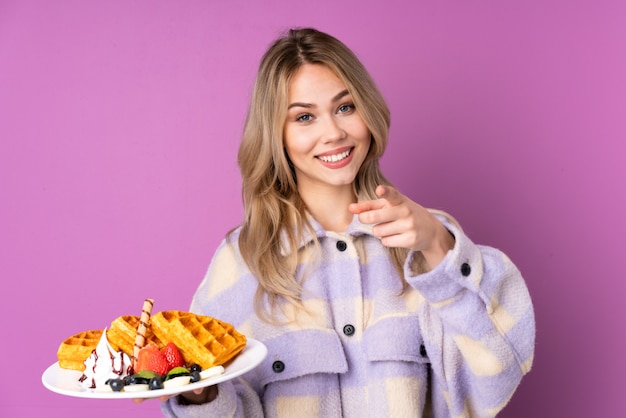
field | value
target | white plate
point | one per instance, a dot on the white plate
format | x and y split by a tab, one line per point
66	382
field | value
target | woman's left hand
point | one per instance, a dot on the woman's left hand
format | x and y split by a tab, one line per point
400	222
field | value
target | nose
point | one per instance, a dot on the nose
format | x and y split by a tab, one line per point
333	131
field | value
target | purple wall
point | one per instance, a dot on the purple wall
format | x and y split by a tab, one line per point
119	125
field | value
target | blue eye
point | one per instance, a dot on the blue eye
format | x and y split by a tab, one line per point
305	117
345	108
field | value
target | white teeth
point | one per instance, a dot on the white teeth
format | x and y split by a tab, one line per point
334	158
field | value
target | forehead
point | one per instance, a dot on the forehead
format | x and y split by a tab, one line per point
313	82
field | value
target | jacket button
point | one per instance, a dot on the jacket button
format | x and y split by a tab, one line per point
278	366
465	269
423	350
348	330
341	245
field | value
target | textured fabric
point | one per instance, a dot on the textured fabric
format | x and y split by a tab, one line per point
455	344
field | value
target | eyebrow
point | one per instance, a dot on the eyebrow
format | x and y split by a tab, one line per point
335	98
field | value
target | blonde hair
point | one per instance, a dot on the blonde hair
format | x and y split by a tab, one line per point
275	216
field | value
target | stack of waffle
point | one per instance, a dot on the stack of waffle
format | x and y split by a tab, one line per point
201	339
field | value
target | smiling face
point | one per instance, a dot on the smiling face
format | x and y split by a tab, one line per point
324	135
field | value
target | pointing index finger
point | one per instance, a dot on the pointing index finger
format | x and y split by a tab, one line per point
390	194
388	197
366	205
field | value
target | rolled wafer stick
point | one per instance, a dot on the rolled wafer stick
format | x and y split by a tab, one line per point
144	320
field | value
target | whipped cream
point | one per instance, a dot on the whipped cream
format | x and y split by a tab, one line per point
103	364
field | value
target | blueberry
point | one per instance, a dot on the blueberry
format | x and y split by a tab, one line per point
195	367
156	383
116	385
195	376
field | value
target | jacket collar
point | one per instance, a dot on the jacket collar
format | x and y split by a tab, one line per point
356	228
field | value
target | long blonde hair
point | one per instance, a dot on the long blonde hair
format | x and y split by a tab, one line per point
275	215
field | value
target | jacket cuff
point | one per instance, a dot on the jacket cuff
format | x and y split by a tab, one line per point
461	269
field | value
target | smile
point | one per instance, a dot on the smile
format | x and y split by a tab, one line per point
336	157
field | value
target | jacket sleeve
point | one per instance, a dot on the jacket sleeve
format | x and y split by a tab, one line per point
235	399
478	325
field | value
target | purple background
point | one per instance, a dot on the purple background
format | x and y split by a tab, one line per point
119	125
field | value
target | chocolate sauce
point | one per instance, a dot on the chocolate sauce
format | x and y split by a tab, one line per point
123	367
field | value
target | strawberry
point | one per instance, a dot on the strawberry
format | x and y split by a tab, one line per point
173	356
151	358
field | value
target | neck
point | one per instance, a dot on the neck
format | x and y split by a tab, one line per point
329	207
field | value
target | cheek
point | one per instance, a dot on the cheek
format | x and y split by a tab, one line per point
296	143
365	132
365	137
359	129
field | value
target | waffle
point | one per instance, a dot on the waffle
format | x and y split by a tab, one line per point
201	339
122	334
76	349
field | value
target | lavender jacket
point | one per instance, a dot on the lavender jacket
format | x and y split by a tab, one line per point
456	343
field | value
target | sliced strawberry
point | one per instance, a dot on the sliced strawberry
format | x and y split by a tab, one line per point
173	356
151	358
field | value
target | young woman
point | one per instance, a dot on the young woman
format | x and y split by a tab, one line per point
369	304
